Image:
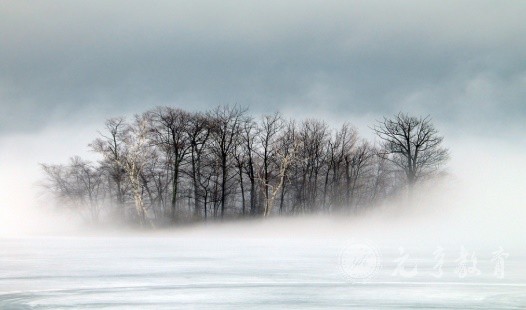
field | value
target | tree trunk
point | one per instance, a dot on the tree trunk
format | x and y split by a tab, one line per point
242	189
223	184
175	183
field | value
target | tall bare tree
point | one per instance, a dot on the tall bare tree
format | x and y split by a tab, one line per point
226	126
249	132
171	132
270	128
109	145
412	144
128	148
198	136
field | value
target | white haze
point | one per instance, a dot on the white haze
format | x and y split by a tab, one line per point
51	260
23	209
480	202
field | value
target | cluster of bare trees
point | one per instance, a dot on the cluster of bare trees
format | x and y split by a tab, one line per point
169	165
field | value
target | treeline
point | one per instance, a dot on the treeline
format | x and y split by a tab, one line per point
168	165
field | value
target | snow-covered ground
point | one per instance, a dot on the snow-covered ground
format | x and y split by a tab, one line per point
166	272
292	262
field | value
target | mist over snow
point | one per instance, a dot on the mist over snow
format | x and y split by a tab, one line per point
479	202
24	208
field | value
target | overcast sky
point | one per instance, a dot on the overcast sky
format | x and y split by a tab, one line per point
66	66
462	62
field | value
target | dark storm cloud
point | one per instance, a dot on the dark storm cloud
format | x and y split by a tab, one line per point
461	61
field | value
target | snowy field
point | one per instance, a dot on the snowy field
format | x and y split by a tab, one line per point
165	272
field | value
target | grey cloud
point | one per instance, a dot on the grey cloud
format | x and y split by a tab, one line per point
62	60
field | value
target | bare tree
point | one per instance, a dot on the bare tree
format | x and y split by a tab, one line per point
288	145
283	156
241	162
249	131
338	151
79	185
109	145
226	122
270	127
313	138
412	144
128	148
171	132
136	153
198	135
356	163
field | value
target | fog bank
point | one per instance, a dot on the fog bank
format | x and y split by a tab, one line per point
480	201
